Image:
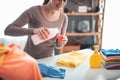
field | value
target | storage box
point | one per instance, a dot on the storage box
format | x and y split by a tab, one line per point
82	9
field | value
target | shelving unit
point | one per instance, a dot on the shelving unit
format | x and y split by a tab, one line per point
83	14
97	33
83	34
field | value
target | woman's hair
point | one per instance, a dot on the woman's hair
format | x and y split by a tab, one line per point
45	2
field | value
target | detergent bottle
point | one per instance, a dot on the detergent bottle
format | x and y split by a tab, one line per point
58	43
95	59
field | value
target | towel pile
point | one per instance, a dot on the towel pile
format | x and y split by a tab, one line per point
111	58
15	64
72	60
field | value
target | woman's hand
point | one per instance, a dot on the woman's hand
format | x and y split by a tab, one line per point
61	41
64	40
42	32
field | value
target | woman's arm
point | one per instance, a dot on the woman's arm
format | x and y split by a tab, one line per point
65	24
15	28
63	30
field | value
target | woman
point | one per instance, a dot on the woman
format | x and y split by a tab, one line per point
39	19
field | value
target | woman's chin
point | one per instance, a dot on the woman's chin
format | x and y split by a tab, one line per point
59	9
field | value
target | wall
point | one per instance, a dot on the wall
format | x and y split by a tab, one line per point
11	9
111	30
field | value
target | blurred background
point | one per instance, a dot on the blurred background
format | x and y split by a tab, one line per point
11	9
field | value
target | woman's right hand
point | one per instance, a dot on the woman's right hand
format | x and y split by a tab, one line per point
42	32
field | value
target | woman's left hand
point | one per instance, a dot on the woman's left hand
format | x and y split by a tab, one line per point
64	40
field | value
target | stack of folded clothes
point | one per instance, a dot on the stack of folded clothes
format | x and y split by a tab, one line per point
111	58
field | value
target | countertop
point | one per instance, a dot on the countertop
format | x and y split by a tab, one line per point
83	71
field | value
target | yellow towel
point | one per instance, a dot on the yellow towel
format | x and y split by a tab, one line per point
72	60
3	51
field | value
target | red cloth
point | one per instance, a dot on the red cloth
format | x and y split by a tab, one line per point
18	65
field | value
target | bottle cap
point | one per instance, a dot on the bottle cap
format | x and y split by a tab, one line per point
60	37
95	51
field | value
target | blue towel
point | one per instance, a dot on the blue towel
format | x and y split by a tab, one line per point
50	71
111	52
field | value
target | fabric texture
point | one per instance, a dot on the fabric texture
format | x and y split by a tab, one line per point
35	19
51	71
3	51
18	65
72	60
111	52
111	58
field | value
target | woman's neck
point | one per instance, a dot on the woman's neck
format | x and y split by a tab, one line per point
50	13
48	9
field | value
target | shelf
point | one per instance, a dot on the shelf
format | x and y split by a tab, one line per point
96	20
83	14
83	34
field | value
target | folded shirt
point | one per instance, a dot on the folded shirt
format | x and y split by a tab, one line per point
112	67
109	63
109	59
72	60
111	52
51	71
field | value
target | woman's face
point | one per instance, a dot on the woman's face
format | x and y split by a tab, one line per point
58	4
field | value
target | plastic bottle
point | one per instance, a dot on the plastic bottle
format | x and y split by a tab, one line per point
58	43
95	59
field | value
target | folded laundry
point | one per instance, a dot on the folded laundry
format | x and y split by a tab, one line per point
112	67
111	52
110	63
109	59
51	71
72	60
